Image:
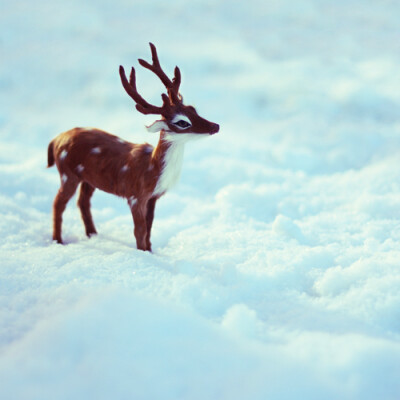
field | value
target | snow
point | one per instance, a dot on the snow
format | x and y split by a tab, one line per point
275	272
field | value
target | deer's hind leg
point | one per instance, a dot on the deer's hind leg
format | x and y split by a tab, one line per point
140	225
85	193
66	191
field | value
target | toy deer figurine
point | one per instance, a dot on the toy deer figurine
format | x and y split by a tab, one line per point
138	172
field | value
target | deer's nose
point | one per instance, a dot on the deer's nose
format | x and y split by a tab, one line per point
214	129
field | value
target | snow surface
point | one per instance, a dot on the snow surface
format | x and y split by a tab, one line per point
275	272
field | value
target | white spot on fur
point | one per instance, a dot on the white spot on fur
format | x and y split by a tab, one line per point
120	140
132	201
63	154
148	149
124	168
80	168
64	178
96	150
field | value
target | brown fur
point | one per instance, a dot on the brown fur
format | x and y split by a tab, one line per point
100	160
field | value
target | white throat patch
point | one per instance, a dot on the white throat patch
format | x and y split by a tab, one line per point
173	160
171	170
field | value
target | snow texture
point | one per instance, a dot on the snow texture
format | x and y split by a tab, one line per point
276	265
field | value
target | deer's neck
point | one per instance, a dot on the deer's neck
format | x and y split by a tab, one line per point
168	155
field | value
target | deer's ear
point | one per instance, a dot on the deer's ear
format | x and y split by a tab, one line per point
157	126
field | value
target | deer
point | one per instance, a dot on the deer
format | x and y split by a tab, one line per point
140	173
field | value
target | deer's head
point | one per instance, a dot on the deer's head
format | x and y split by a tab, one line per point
177	118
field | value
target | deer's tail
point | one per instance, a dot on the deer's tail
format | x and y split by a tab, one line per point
50	155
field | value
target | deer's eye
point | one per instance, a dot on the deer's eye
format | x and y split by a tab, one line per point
182	124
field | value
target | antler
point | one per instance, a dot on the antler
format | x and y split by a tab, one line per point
172	86
141	104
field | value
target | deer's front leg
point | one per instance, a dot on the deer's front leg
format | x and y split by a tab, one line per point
149	220
139	219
